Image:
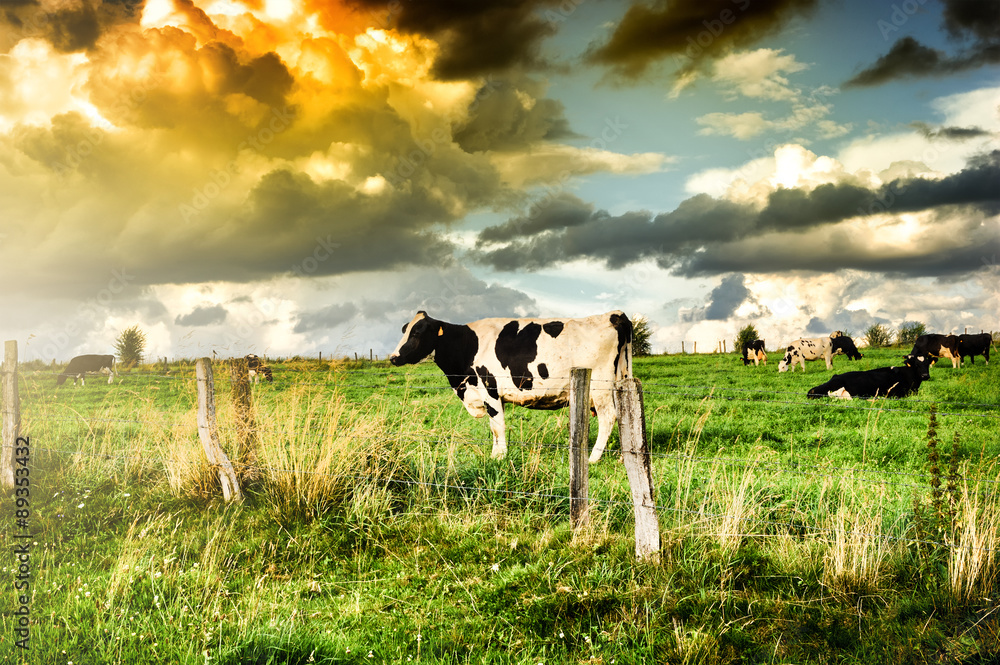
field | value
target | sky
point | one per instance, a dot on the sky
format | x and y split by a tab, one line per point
287	177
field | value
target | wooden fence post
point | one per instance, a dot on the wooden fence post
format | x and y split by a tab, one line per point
579	441
246	428
209	434
635	452
11	415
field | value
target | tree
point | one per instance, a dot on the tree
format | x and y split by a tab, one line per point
746	334
877	336
641	335
130	345
909	331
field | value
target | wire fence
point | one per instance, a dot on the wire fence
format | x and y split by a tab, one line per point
362	380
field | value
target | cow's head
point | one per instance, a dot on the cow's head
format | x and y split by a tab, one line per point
419	340
920	363
789	359
846	345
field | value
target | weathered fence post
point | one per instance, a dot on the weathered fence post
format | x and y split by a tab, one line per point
579	440
246	427
11	415
635	451
209	434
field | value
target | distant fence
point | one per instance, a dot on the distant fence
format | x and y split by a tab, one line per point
632	428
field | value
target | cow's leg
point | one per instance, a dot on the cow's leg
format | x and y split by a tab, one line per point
603	404
494	409
111	377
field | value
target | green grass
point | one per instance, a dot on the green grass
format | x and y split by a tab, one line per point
377	529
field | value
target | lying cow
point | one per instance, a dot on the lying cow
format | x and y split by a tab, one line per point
801	350
753	352
881	382
80	365
526	362
258	368
970	346
937	346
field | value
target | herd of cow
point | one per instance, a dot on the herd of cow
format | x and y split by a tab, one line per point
527	362
884	381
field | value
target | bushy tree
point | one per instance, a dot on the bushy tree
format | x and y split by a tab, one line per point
746	334
909	331
641	334
130	345
878	336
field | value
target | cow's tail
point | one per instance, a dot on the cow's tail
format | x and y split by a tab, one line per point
623	358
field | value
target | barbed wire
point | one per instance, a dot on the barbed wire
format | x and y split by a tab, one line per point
791	524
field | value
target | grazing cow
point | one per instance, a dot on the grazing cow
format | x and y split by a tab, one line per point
937	346
882	382
974	345
801	350
258	368
753	352
80	365
526	362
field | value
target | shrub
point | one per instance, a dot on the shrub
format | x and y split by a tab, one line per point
130	345
746	334
641	335
909	331
878	336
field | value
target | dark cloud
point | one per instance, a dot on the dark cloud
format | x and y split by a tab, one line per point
964	20
476	38
202	316
726	298
850	322
69	27
326	318
975	17
908	58
950	133
706	236
691	31
499	118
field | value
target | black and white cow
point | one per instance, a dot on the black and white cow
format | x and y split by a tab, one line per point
974	345
258	368
80	365
813	348
881	382
937	346
526	362
753	352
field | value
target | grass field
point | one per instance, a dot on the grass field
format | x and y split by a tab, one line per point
377	529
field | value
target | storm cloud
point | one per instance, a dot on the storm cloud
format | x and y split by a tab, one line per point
964	21
691	32
796	229
476	38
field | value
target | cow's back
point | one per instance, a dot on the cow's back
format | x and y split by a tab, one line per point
530	359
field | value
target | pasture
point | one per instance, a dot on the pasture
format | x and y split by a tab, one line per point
376	527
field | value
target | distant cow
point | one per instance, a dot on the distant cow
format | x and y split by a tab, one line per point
974	345
937	346
80	365
258	368
753	352
801	350
882	382
526	362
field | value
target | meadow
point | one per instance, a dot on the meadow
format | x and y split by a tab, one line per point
376	528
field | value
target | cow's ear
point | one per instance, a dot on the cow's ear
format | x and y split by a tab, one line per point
440	331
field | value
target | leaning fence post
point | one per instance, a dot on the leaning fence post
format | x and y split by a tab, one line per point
635	452
579	439
209	433
246	428
11	415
